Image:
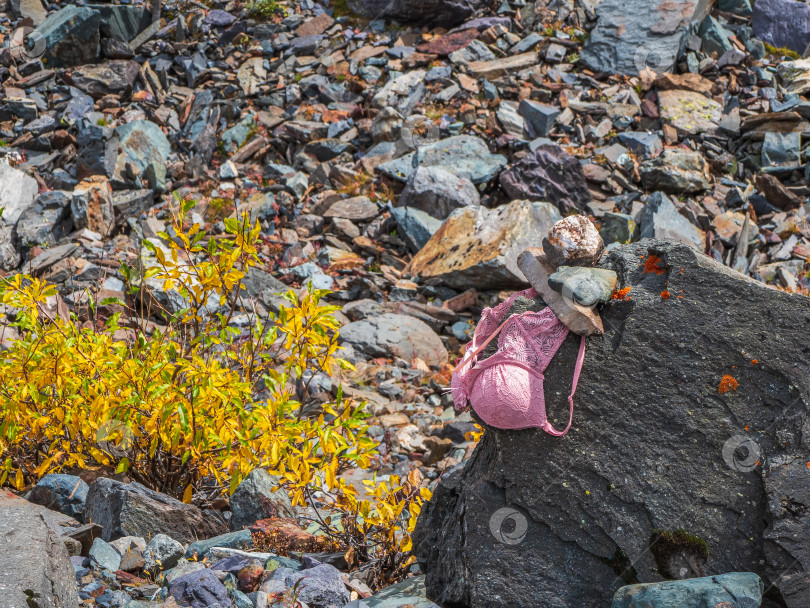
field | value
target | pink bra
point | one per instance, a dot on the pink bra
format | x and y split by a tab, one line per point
506	389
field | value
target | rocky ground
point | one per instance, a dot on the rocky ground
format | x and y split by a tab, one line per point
401	154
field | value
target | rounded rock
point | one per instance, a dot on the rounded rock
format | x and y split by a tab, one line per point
573	241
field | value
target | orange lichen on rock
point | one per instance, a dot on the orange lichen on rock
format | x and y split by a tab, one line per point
651	265
727	383
621	294
665	295
754	362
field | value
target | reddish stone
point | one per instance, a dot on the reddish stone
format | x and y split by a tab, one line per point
449	43
283	536
250	577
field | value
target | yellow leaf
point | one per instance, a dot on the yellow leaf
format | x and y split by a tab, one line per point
187	495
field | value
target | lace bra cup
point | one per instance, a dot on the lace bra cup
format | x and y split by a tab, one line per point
506	389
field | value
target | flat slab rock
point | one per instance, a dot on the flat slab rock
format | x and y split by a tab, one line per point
479	247
34	563
653	446
395	335
633	34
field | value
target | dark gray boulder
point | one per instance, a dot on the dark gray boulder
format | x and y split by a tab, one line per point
69	36
63	493
633	34
134	510
258	497
661	440
782	23
46	221
444	13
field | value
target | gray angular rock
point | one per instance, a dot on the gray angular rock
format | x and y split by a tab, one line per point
103	556
9	256
241	539
781	149
465	156
97	151
643	143
200	589
63	493
633	34
474	51
539	117
69	36
416	226
676	171
162	553
12	108
142	160
738	7
131	549
619	228
444	13
121	22
548	174
319	585
782	23
395	335
659	219
32	9
714	36
17	192
33	559
479	247
255	499
410	592
438	192
730	589
511	120
533	508
133	510
113	77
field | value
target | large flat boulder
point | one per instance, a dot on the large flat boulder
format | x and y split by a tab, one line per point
690	414
631	35
34	562
465	156
395	335
478	247
134	510
435	12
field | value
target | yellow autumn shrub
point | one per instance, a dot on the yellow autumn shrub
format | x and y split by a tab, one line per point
195	401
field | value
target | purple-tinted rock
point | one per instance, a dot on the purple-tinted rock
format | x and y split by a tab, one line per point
782	23
435	12
219	18
548	174
200	589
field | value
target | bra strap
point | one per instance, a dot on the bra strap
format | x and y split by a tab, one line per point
580	359
492	336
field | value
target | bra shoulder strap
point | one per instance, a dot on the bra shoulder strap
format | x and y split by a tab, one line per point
577	369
